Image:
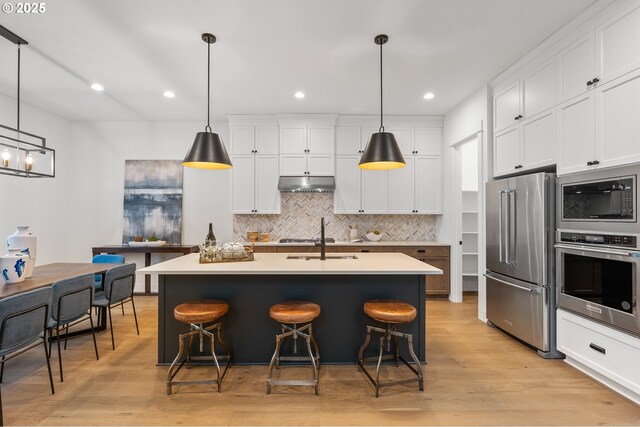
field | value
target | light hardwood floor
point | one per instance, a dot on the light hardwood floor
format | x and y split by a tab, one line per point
475	376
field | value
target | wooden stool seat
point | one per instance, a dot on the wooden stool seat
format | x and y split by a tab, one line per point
390	311
294	312
202	311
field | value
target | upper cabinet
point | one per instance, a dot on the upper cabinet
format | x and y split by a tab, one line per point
618	41
577	108
416	188
307	145
254	154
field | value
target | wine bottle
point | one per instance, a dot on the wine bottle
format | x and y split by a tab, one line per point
210	240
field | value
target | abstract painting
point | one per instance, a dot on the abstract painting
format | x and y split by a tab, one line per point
153	200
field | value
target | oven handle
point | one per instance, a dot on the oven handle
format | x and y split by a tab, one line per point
599	251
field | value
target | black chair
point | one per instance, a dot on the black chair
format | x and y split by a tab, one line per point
23	325
118	289
71	304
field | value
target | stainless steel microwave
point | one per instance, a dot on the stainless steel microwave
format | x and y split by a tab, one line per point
600	200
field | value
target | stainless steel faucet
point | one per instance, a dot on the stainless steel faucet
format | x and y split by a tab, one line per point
323	242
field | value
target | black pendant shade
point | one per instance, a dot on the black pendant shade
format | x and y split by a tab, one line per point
207	152
382	153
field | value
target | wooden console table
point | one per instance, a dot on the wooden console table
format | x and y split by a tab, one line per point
147	251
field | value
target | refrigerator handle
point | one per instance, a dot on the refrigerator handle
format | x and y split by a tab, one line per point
511	200
500	225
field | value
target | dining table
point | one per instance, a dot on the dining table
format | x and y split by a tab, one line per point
47	274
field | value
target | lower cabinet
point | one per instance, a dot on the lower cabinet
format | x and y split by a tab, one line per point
437	256
606	354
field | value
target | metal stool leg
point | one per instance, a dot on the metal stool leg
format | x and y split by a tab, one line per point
171	372
313	363
276	355
363	347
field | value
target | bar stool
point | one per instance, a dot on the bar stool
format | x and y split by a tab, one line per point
197	313
294	313
392	313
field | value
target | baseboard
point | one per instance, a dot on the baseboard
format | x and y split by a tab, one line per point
631	395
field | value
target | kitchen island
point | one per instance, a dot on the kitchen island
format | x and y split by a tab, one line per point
340	285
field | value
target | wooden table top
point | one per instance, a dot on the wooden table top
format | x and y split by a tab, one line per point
116	249
48	274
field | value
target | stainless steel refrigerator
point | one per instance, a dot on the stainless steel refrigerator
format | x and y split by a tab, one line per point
520	262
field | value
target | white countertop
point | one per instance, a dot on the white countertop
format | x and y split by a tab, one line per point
363	243
277	263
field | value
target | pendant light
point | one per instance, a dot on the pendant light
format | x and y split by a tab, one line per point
208	151
23	154
382	151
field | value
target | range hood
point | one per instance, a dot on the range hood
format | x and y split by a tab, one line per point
307	184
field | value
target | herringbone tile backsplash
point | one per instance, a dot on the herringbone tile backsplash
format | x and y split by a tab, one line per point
301	213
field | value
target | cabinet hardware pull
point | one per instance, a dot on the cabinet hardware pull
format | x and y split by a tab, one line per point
421	251
598	348
595	80
590	82
518	167
515	118
595	162
364	250
589	163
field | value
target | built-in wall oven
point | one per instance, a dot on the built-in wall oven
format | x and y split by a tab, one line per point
597	246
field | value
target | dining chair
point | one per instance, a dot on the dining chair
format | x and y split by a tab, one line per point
105	259
23	325
71	304
118	289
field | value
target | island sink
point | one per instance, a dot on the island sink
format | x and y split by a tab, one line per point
310	257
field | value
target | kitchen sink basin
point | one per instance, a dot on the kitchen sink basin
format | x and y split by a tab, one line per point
310	257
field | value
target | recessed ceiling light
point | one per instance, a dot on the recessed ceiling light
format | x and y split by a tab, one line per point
169	94
299	95
429	95
97	87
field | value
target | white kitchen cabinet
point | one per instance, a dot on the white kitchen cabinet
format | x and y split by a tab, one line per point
527	146
401	187
606	354
506	151
348	141
576	133
267	195
576	67
313	140
428	141
255	184
506	106
404	138
537	146
618	41
428	184
254	139
374	191
538	89
347	198
618	121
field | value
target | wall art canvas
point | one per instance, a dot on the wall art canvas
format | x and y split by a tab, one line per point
153	200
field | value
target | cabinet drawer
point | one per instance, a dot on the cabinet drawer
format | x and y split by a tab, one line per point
607	351
356	249
423	251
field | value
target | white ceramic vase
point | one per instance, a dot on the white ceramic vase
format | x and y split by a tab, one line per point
25	242
13	266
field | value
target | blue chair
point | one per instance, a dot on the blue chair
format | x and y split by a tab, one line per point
118	289
23	325
72	299
105	259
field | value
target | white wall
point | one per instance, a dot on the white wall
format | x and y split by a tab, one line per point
465	120
41	203
100	151
469	160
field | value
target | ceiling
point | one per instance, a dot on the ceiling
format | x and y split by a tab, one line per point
266	51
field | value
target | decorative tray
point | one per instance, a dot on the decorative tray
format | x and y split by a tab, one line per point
156	243
217	255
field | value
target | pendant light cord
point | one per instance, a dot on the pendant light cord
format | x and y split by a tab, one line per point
208	127
381	125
